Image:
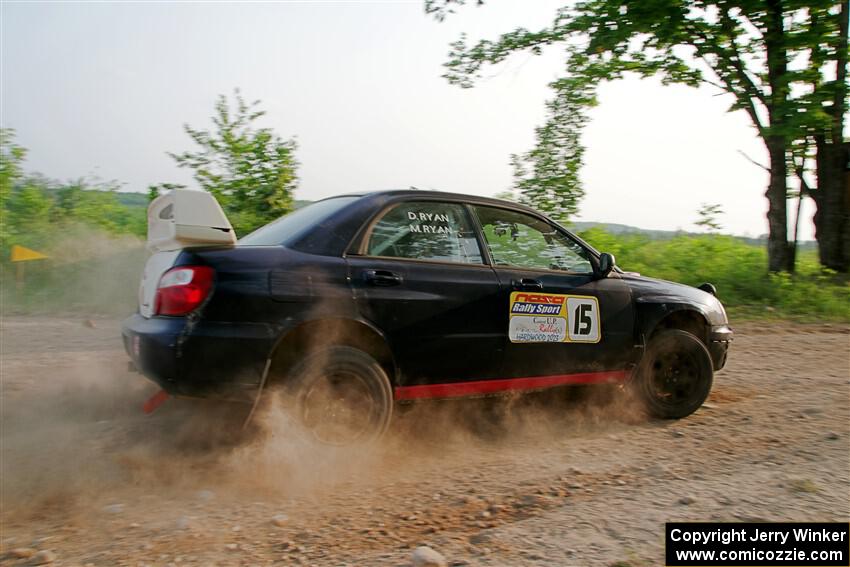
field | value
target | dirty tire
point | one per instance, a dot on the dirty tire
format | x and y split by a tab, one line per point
675	375
341	396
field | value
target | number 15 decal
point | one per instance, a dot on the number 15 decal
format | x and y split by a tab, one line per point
584	319
553	318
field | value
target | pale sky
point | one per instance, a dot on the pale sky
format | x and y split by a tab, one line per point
103	88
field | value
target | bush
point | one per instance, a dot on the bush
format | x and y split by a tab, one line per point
89	271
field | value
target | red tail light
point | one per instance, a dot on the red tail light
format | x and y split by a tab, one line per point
181	290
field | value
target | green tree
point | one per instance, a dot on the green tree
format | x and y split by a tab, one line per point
11	158
547	177
97	205
784	63
708	214
155	191
28	214
251	171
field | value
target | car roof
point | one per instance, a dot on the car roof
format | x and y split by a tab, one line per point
437	195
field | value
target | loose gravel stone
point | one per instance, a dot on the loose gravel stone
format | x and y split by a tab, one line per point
656	470
531	500
205	495
424	556
43	557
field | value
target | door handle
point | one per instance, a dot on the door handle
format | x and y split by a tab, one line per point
383	278
527	284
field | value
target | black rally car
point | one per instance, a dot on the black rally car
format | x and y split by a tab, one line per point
354	303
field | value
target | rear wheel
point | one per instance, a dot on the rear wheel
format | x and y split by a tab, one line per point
341	396
675	375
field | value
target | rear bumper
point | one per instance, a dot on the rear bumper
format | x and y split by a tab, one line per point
718	345
199	358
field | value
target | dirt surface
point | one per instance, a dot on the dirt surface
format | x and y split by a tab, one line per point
87	479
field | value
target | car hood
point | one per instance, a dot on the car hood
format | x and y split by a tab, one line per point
651	290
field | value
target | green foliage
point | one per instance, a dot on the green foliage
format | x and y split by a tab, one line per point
547	177
155	191
251	171
98	207
737	269
725	44
27	217
11	158
708	214
39	213
783	63
89	235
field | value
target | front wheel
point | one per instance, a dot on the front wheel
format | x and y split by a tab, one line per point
341	396
675	375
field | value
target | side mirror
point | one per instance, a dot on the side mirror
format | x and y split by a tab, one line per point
606	264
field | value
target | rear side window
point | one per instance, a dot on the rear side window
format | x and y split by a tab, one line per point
290	226
425	230
521	240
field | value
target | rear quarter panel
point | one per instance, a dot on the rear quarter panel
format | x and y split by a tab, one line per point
274	285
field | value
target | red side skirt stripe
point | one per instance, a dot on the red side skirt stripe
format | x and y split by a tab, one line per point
460	389
154	402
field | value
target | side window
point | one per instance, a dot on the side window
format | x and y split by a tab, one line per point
517	239
425	230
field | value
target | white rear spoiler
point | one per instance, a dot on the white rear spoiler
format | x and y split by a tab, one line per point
183	218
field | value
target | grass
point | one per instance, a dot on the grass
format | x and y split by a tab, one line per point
738	270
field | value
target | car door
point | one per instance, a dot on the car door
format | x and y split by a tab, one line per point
559	318
420	276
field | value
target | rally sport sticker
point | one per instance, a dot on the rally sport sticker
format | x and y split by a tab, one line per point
553	318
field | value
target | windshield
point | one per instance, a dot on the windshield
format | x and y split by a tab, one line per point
295	223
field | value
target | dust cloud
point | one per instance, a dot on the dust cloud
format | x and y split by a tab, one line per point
74	439
74	436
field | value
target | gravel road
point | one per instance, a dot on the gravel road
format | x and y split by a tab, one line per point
87	479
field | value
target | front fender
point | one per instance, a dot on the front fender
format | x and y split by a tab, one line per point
650	312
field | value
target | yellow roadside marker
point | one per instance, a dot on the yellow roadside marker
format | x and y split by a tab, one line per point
24	254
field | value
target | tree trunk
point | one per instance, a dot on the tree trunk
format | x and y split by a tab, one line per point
778	253
832	219
792	247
